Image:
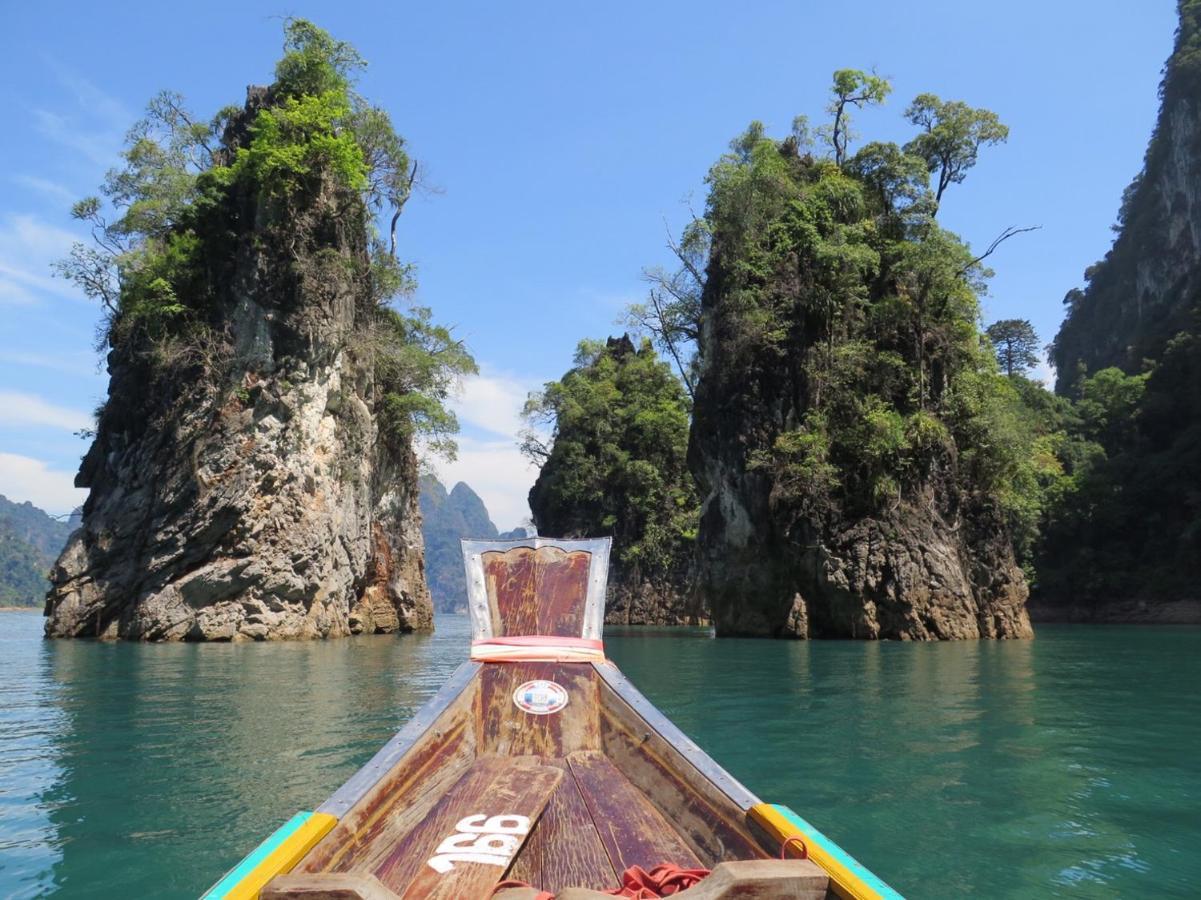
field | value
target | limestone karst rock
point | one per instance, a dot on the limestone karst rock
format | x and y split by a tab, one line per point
843	437
249	493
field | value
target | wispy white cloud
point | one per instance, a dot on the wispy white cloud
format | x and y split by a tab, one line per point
94	124
497	471
492	401
489	410
70	362
24	478
28	246
25	410
59	193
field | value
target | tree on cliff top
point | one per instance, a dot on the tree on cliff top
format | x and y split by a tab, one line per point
163	224
1016	344
834	273
615	461
951	138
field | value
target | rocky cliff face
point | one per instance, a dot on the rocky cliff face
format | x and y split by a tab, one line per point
845	424
1145	289
1125	545
249	495
637	601
925	571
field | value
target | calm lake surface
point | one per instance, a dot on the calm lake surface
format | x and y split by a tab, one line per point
1066	766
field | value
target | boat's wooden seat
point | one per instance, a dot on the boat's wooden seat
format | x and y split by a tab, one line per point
496	801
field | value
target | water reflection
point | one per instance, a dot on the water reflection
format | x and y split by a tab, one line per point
1066	766
174	760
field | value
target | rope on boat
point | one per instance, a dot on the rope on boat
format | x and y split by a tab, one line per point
796	839
663	880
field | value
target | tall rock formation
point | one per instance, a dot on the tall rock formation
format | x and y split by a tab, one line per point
1127	547
241	486
1146	289
845	428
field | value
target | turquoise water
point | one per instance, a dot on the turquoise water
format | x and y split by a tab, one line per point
1068	766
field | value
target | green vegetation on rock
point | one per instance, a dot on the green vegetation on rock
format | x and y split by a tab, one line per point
165	232
270	380
835	270
615	464
858	453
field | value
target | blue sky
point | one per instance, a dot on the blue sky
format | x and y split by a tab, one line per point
562	138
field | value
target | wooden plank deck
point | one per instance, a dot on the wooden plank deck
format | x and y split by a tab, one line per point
631	830
435	858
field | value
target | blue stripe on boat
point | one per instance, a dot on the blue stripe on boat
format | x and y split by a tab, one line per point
261	852
861	871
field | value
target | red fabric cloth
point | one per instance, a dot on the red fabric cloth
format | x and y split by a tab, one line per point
663	880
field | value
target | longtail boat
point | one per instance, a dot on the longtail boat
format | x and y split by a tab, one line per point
538	769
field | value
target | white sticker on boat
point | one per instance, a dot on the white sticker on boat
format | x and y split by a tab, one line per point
490	840
540	698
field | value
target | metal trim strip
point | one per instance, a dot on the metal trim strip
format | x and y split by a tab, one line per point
735	790
357	786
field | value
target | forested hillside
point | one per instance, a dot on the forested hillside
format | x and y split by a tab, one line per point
30	541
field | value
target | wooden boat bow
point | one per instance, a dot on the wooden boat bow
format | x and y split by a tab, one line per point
539	763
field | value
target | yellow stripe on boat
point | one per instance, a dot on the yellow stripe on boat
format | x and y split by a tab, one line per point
848	877
277	855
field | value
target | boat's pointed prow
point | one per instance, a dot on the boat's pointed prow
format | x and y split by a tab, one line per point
539	764
537	599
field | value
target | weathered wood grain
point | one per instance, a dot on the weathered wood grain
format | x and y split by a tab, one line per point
326	886
564	850
702	814
539	591
376	843
632	830
491	787
445	750
507	731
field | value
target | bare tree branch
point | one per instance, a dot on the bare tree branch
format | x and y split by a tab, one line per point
1005	235
399	207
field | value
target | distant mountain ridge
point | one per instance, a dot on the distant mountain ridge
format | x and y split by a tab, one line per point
30	541
447	518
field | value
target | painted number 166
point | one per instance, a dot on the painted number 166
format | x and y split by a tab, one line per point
492	842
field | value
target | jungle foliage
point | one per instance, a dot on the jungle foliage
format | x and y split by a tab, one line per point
167	222
830	268
615	459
